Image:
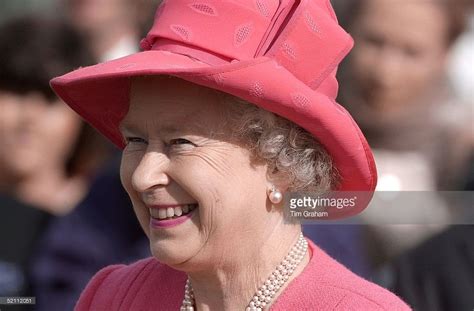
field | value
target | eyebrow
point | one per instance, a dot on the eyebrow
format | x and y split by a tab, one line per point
166	129
123	126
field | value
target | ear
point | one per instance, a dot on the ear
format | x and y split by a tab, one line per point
277	180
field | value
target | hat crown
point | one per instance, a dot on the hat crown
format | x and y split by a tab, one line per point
302	36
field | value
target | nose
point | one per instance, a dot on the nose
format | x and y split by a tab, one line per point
387	70
151	172
34	108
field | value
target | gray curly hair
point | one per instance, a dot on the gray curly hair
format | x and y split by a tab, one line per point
292	154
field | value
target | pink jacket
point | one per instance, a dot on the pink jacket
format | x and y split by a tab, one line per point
148	285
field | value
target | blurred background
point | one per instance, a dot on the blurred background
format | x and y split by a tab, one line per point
408	82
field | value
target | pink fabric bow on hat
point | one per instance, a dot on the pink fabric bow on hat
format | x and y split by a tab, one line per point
279	55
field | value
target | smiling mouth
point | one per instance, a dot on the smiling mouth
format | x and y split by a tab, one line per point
172	212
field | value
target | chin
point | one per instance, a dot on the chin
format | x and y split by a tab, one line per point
168	252
179	256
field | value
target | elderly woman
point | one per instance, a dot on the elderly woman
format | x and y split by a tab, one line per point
230	106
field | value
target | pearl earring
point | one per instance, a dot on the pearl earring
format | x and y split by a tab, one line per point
275	195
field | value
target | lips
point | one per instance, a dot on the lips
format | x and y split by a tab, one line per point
171	212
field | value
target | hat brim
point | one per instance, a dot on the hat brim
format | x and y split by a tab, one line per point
100	94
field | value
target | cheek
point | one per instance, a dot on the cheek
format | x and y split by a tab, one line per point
363	55
362	64
425	70
217	170
64	121
226	181
61	126
10	118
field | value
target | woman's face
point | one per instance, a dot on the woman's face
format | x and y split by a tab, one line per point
180	151
95	15
35	134
399	52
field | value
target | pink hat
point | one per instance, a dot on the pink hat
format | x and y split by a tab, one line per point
281	55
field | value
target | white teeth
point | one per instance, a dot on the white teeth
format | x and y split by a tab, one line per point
170	212
178	211
161	213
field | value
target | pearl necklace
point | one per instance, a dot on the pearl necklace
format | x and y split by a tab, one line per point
267	291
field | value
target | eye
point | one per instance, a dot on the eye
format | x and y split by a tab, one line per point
180	141
374	40
135	140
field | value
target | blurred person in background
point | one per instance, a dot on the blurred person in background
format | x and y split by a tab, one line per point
112	28
399	88
48	154
395	84
102	229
